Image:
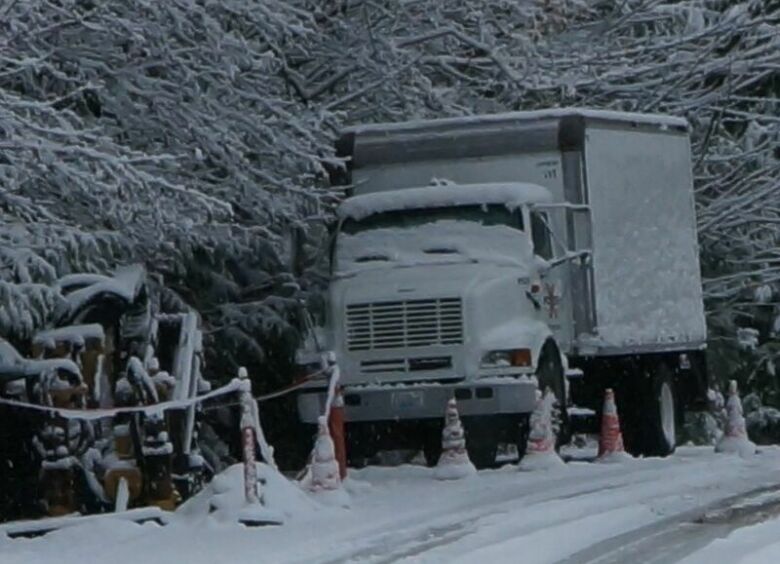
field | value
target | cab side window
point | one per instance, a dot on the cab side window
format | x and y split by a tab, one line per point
540	235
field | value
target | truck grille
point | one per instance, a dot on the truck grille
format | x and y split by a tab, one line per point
401	324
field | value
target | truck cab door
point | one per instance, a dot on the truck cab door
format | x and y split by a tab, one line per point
554	294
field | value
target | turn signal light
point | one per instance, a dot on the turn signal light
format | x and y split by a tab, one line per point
505	358
521	357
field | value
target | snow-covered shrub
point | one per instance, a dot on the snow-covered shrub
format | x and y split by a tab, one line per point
701	428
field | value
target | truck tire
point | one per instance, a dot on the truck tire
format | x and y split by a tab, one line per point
431	445
482	453
482	438
550	374
523	428
660	414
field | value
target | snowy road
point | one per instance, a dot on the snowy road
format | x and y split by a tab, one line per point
648	510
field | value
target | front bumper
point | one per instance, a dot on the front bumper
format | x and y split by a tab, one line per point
493	396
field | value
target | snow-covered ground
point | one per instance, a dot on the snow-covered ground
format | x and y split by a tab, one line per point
756	544
660	508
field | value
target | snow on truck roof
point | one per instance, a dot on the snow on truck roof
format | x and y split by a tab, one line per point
511	194
536	115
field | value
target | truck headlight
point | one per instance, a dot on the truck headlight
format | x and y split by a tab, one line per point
506	358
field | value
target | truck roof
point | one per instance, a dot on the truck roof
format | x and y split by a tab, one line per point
559	129
536	115
510	194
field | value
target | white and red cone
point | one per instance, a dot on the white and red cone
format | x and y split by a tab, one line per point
540	453
611	439
324	466
735	439
454	461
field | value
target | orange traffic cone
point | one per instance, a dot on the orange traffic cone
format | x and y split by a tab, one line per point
735	439
336	428
611	440
454	461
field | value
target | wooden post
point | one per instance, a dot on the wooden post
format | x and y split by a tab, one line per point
248	438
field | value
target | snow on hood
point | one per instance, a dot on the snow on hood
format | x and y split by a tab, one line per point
510	194
440	242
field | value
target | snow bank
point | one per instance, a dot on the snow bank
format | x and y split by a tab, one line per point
536	461
511	194
617	457
736	445
223	499
756	544
454	471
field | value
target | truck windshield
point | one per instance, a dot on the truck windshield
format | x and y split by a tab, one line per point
474	233
495	214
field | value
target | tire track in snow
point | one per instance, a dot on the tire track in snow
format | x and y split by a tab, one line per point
422	539
674	538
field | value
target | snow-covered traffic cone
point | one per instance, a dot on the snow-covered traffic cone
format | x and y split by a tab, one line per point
611	440
454	461
324	466
540	453
336	428
323	477
735	439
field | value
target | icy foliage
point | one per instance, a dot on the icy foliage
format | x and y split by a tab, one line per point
701	428
159	131
747	338
193	134
713	63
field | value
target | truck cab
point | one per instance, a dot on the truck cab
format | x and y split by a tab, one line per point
437	292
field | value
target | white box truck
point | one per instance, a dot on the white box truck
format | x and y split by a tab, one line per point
482	257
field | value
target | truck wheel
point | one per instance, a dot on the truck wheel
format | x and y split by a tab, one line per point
361	445
660	429
523	428
431	445
550	374
482	453
482	438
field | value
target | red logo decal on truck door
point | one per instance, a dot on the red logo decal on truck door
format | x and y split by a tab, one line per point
551	300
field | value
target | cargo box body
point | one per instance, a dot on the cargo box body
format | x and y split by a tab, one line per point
628	180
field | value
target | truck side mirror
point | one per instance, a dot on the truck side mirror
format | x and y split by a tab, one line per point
541	265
